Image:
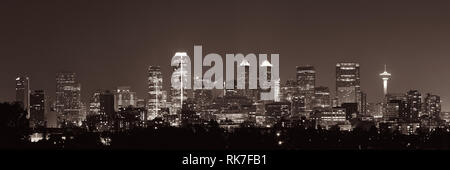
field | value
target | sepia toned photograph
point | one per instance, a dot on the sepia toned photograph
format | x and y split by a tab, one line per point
224	83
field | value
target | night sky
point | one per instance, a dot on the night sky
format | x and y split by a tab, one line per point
111	43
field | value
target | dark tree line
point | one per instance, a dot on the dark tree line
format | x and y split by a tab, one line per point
15	135
13	126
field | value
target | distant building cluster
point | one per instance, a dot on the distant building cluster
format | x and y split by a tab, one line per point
298	101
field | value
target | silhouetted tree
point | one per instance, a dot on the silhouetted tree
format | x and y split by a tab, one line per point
13	125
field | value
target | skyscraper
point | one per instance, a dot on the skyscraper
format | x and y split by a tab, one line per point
179	94
399	100
23	93
306	80
432	106
94	103
347	83
245	77
385	76
322	97
68	99
271	84
289	90
124	97
107	103
37	108
155	92
413	105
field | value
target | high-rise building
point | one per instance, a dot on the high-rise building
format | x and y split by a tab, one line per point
362	103
266	64
156	99
348	83
94	103
37	108
203	98
289	90
107	101
180	74
413	105
23	93
306	80
432	106
68	99
124	98
392	111
375	110
245	77
385	76
322	97
298	106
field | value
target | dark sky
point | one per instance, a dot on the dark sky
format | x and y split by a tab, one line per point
111	43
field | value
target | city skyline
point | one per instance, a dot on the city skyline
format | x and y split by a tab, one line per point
145	96
102	42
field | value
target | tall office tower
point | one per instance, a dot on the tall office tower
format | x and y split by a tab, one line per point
179	94
385	76
155	100
68	99
276	92
322	97
94	103
124	98
347	83
432	106
306	80
400	99
268	67
23	93
289	90
362	105
84	111
298	106
107	105
245	77
413	105
392	111
202	97
37	108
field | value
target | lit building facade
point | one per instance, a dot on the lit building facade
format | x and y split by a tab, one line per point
124	97
180	94
322	97
432	106
289	90
23	93
37	109
374	110
332	116
306	80
68	99
156	98
413	105
94	103
347	83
